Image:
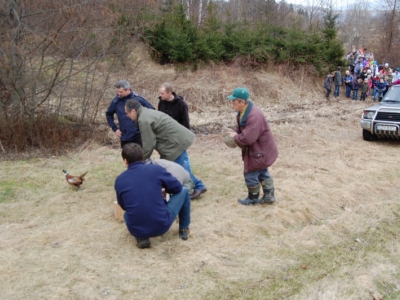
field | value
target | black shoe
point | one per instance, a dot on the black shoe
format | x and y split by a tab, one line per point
248	201
184	234
197	193
143	243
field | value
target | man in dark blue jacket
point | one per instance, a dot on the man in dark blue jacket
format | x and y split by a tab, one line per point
126	129
140	193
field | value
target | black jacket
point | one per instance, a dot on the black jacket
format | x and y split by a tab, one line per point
176	109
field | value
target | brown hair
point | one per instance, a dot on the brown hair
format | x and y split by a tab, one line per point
132	153
167	86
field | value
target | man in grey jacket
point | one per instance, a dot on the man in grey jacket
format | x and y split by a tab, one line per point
337	80
165	135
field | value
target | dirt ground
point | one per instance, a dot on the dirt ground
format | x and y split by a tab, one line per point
332	234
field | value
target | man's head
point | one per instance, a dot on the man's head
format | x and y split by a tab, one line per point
165	92
131	108
239	98
123	88
132	153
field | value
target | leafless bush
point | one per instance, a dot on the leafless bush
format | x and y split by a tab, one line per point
54	57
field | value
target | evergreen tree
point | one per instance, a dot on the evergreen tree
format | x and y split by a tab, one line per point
330	31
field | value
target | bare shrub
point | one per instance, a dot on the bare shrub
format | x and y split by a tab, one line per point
46	132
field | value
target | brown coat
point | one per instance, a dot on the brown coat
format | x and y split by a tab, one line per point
259	150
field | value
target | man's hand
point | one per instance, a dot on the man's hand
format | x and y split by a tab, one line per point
118	133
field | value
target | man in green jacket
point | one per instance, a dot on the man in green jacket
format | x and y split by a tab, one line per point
162	133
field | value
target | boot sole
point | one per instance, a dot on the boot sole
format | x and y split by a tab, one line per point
266	202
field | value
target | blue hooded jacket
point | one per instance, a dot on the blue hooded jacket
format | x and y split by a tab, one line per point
138	192
126	125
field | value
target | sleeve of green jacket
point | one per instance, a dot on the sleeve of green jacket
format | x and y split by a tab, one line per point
149	139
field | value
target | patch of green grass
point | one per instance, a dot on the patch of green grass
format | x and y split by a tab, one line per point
7	192
303	267
389	289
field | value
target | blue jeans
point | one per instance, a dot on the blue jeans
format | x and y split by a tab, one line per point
355	94
348	90
337	91
179	205
184	161
255	177
374	94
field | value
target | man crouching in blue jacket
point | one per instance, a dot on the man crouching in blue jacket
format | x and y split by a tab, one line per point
139	193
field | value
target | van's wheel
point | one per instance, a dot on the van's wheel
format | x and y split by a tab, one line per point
368	136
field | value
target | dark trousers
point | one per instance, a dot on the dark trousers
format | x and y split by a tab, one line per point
328	92
136	140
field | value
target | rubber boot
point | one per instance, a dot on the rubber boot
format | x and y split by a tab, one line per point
252	198
268	189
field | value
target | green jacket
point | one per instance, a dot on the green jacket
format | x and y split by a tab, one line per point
364	87
162	133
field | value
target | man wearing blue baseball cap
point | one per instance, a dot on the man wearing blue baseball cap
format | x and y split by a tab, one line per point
259	150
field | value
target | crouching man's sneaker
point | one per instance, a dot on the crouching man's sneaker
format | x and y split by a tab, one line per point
143	243
184	234
197	193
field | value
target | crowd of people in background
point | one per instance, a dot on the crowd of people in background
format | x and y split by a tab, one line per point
363	78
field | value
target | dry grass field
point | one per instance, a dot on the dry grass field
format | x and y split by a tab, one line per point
333	233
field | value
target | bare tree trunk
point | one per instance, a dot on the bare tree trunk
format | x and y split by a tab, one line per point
200	13
12	80
187	12
391	29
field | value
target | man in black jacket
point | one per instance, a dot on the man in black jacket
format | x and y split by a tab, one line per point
173	105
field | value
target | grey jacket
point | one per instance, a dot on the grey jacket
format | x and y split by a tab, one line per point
175	170
162	133
337	79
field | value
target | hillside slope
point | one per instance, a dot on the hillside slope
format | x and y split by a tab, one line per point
332	234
